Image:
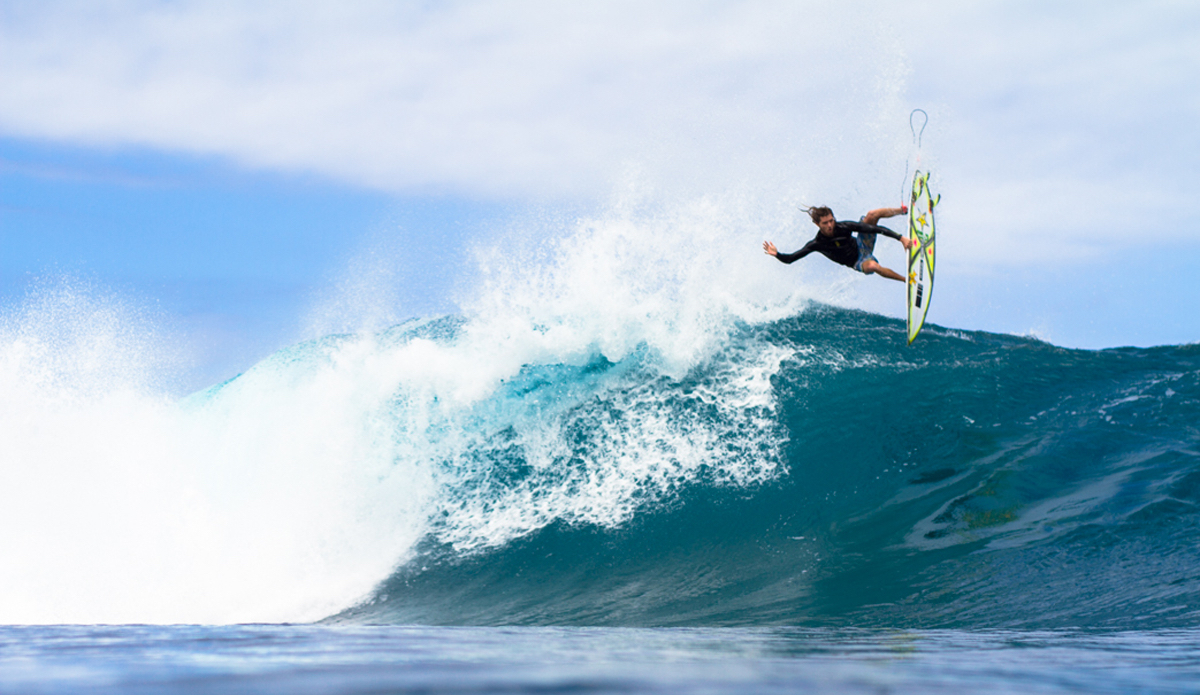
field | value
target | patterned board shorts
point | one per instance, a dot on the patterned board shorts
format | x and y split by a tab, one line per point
866	249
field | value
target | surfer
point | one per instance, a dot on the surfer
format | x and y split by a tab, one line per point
836	240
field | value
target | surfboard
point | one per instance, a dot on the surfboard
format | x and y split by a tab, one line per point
920	255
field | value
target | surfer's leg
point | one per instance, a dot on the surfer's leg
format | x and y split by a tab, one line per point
872	266
867	264
866	252
874	216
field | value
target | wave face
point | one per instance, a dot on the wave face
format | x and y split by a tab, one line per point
815	470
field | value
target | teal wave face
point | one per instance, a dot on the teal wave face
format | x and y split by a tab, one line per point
969	480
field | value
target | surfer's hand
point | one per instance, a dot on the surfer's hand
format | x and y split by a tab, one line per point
903	209
907	242
770	249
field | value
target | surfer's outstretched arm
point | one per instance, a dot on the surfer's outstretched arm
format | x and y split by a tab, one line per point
770	250
877	214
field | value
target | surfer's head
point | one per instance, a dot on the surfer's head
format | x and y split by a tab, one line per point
823	218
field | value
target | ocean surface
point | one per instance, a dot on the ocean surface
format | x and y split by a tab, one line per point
323	659
738	502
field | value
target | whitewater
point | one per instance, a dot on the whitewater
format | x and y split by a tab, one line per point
293	490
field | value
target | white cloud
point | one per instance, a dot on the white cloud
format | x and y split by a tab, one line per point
498	98
1077	115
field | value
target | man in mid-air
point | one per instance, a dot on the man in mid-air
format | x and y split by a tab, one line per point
837	242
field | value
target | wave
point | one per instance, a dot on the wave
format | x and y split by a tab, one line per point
969	480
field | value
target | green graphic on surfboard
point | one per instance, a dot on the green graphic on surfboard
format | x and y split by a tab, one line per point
920	254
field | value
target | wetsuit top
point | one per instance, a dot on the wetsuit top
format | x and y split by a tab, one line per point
842	246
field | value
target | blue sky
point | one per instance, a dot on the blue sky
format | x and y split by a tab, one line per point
231	262
235	169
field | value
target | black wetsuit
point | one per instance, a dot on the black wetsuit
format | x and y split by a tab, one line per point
842	247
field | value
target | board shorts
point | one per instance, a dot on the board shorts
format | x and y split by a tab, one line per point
866	249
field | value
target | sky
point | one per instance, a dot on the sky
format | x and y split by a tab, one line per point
246	175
